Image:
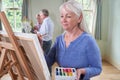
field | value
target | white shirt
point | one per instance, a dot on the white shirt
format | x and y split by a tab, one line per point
47	29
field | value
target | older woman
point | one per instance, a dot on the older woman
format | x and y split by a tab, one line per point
75	48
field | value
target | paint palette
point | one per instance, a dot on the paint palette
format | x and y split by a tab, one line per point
65	73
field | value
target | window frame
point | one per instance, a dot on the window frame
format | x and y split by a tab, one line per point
13	9
93	11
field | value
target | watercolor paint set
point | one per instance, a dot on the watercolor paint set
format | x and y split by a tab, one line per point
65	73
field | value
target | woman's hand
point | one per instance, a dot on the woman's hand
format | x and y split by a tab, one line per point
80	72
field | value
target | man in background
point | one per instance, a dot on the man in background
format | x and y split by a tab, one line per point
45	33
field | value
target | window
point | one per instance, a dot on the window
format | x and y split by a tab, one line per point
89	13
13	11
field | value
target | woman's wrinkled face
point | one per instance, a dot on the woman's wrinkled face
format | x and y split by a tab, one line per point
68	19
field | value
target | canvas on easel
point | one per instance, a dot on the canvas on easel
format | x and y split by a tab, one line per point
25	51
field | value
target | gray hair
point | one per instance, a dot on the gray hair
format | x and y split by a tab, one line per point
75	7
45	12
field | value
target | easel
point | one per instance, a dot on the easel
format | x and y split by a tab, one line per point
11	56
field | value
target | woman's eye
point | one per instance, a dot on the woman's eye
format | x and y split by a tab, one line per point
68	16
61	16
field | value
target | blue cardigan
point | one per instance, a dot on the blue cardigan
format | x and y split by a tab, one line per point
83	52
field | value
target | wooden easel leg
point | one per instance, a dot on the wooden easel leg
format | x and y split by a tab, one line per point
2	59
10	71
18	72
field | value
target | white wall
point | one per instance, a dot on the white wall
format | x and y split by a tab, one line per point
113	47
111	32
52	6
